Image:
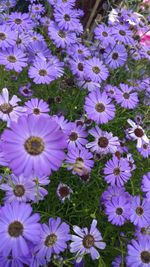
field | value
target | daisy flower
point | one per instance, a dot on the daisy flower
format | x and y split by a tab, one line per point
95	70
7	37
137	133
63	192
37	107
126	97
140	212
115	57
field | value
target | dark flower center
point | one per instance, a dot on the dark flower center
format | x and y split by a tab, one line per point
50	240
6	108
116	171
105	34
103	142
88	241
34	145
11	59
79	160
2	36
64	191
138	132
36	111
126	95
73	136
66	17
99	107
145	146
80	66
145	256
62	34
96	70
115	56
143	230
139	211
19	41
80	51
19	190
7	3
42	72
123	33
119	211
79	123
18	21
148	52
15	229
26	91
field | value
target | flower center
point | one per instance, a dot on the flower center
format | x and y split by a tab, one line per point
73	136
116	171
36	111
66	17
2	36
88	241
145	146
148	52
64	191
19	190
126	95
115	56
96	70
62	34
26	91
139	211
34	145
103	142
145	256
42	72
80	66
138	132
119	211
123	33
50	240
105	34
11	59
99	107
6	108
15	229
80	51
18	21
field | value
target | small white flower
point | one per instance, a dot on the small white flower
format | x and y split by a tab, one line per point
137	133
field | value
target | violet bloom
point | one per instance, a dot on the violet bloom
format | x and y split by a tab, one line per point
104	142
39	183
115	57
137	133
76	136
77	65
9	109
146	185
110	90
138	254
80	50
18	228
66	18
7	37
103	34
37	107
118	262
95	70
98	107
142	231
63	192
38	50
144	150
114	191
20	189
13	261
79	161
61	38
117	171
53	238
13	59
140	212
62	122
122	34
126	97
118	210
87	241
25	90
34	146
20	22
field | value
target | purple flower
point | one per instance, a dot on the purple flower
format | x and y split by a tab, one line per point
53	238
95	70
38	50
118	210
114	191
144	150
104	35
104	142
87	241
37	107
126	97
115	57
137	133
138	253
20	22
121	33
98	107
34	146
63	192
79	161
140	212
13	59
110	90
13	261
77	66
36	9
18	227
25	90
117	171
19	189
7	37
117	262
76	136
146	185
9	109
